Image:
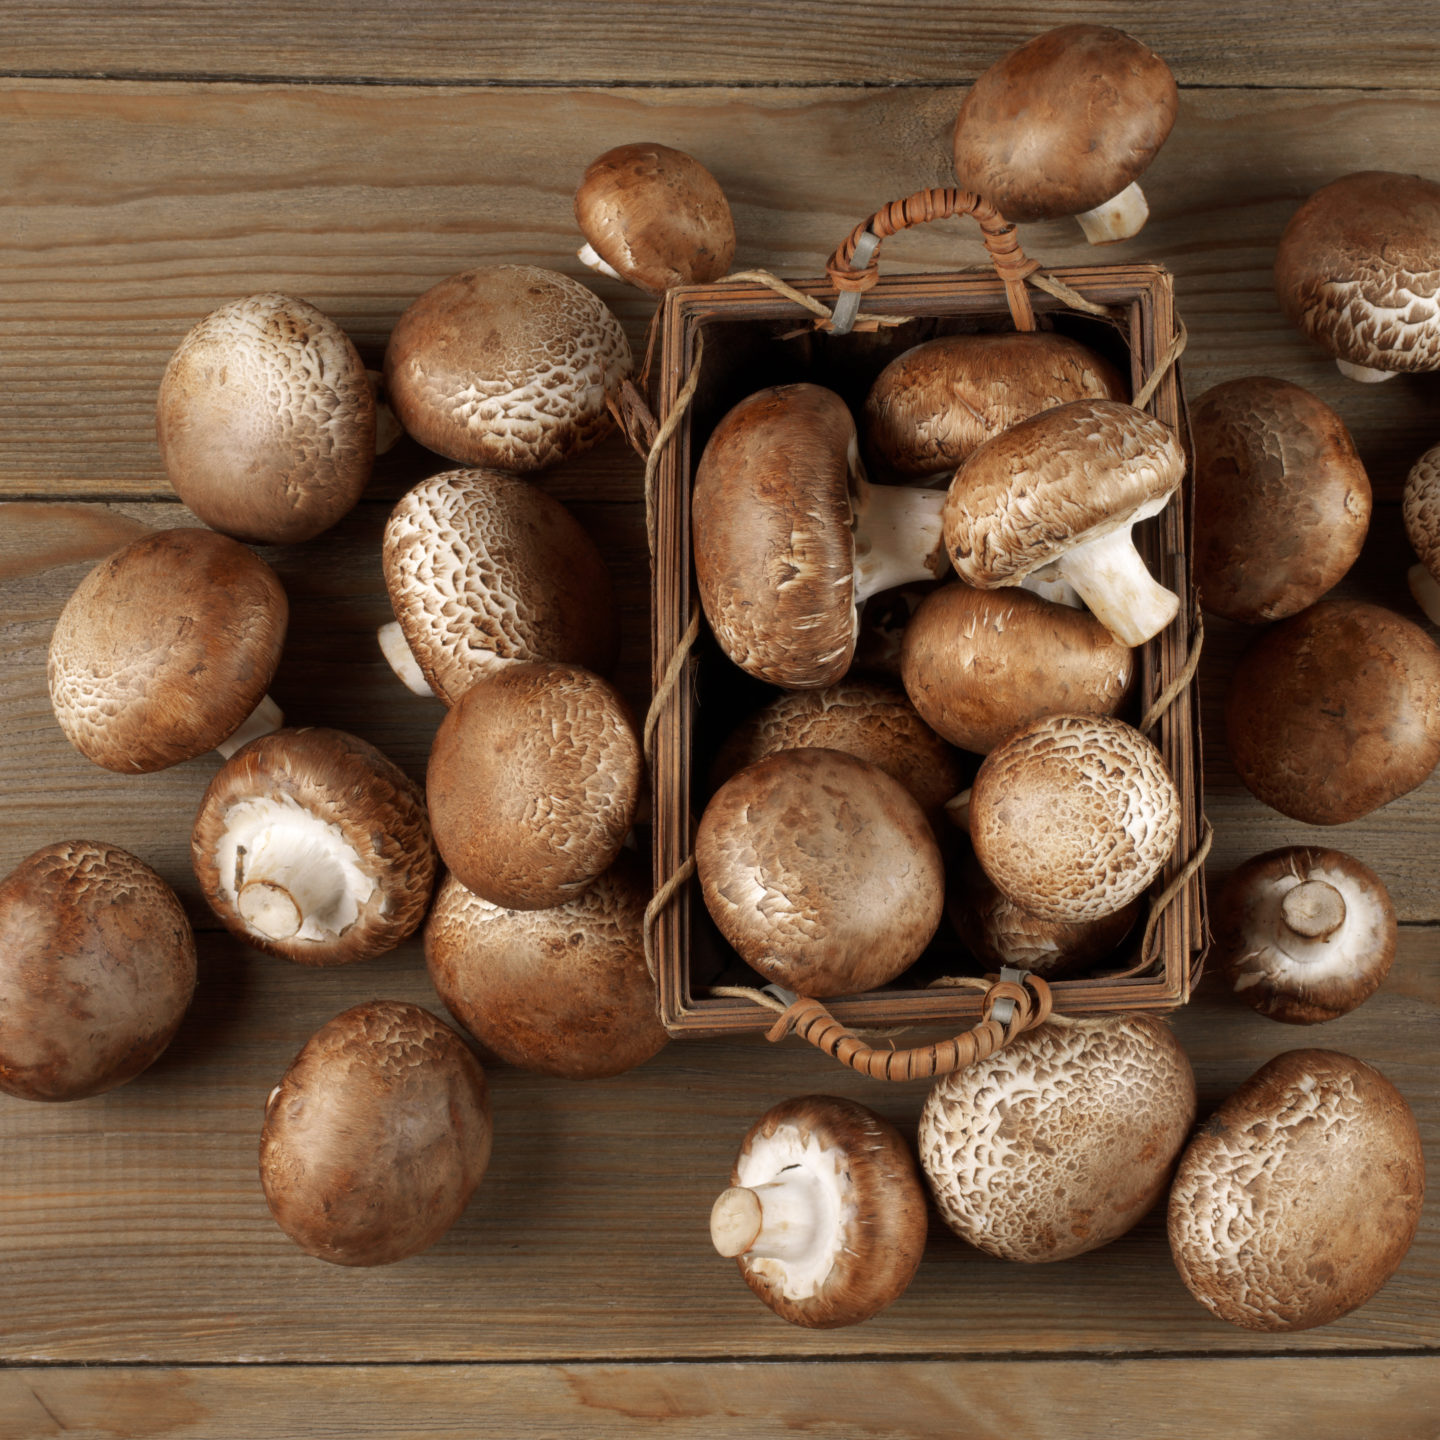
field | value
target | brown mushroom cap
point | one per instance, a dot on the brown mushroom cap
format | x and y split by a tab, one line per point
1358	270
655	217
821	871
1421	510
979	664
266	420
533	782
1282	501
376	1137
1299	1197
563	991
1334	712
506	367
484	568
844	1179
311	845
934	404
165	649
1063	1140
1304	934
97	967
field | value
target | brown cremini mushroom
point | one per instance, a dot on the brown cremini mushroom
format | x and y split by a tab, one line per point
1421	509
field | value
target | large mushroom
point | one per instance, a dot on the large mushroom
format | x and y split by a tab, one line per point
1421	510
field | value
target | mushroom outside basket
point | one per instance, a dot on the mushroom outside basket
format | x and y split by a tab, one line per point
748	335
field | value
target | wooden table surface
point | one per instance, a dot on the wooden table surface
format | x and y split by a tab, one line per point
160	157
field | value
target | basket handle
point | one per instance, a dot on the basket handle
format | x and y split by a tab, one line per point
863	245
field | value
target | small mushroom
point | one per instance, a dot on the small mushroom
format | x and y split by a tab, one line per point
376	1137
825	1214
311	845
1063	1140
1282	501
1299	1197
507	367
1066	125
654	217
97	968
165	651
1421	509
1067	486
484	569
1358	270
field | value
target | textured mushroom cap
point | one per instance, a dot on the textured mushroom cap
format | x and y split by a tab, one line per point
979	664
1335	711
563	991
165	648
881	1211
1282	501
357	801
934	404
97	967
1299	1197
507	367
1074	816
1421	509
1292	976
533	782
377	1136
821	871
656	216
1358	270
266	420
484	568
1066	475
1063	1140
1064	123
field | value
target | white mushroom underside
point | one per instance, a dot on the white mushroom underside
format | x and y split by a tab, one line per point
1118	218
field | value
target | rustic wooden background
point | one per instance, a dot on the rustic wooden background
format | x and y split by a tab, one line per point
157	159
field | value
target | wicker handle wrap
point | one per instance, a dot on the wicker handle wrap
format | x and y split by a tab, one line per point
1011	263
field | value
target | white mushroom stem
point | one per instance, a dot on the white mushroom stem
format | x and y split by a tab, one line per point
898	537
1426	591
590	256
1120	217
1113	581
958	810
388	430
1313	909
1363	373
1049	584
780	1220
264	718
396	650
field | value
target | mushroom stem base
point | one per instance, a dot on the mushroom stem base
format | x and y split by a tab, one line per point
1365	374
1120	217
264	718
1426	591
588	255
1121	593
396	649
899	537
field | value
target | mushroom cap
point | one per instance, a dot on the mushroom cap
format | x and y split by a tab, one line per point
266	420
656	216
533	782
1358	270
880	1219
1421	509
821	871
1063	1140
1282	501
979	664
935	403
484	568
97	967
1334	712
506	366
313	798
1064	123
165	649
376	1137
1299	1197
563	991
1069	474
1074	816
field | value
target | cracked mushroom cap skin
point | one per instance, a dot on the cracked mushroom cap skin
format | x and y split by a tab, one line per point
333	826
266	420
1060	1142
1358	271
563	991
484	568
1335	712
165	649
376	1137
533	783
1421	511
97	969
821	871
1299	1197
1282	500
656	217
506	367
